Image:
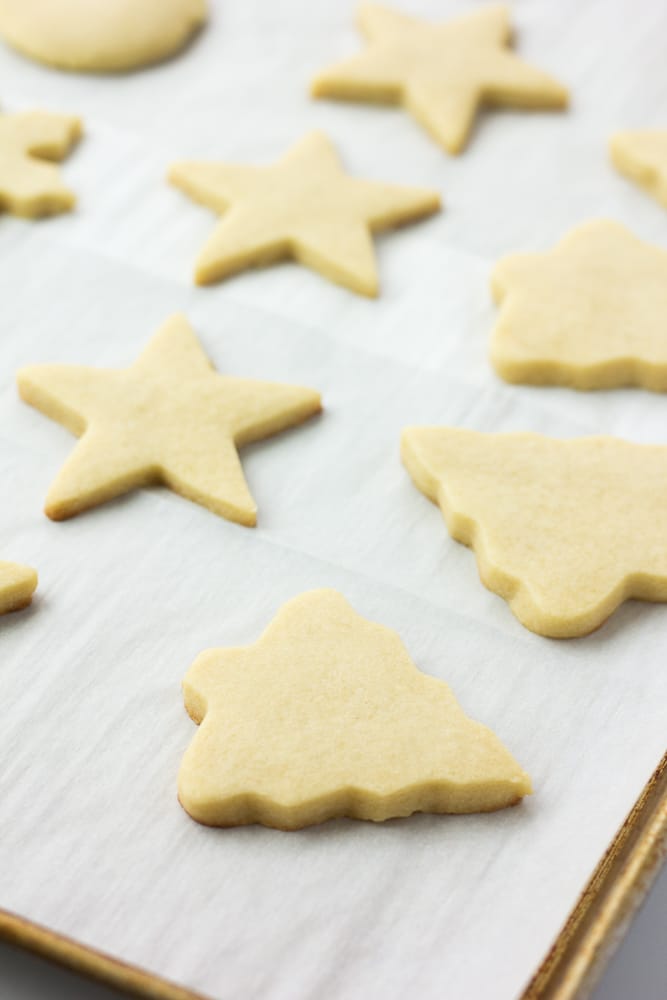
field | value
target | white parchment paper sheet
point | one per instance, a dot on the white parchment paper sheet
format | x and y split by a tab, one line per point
92	840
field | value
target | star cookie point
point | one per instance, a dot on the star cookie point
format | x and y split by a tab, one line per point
17	585
326	715
641	155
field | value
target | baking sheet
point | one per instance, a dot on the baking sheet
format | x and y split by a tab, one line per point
92	840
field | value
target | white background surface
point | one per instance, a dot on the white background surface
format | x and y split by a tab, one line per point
92	841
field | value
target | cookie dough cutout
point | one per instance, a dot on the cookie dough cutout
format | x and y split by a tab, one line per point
17	585
30	186
563	530
590	314
327	715
100	35
441	73
642	156
170	418
302	207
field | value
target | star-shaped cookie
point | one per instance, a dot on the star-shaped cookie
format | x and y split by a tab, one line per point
564	530
304	207
170	418
591	313
29	185
326	715
642	156
441	73
17	585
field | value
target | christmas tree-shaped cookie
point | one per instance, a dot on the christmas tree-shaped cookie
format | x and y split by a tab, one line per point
30	184
17	585
564	530
642	156
591	313
441	73
326	715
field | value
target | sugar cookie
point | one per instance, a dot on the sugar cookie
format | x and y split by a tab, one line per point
29	186
565	531
326	715
303	207
169	418
642	156
591	313
99	35
17	585
441	73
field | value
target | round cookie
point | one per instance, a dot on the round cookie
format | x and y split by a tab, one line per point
99	35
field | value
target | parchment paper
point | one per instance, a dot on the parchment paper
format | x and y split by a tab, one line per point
93	842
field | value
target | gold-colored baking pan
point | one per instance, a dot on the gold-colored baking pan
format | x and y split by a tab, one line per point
569	972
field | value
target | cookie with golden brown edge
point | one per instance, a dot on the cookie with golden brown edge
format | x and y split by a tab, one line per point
442	73
303	207
17	585
101	37
31	143
326	715
642	156
563	530
591	313
169	418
